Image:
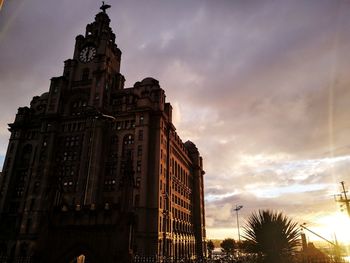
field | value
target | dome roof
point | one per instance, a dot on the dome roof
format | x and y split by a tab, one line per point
149	81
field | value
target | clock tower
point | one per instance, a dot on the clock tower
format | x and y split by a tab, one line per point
96	63
95	172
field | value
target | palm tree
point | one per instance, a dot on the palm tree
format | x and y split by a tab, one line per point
272	236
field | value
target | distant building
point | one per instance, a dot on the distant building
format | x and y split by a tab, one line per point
95	172
310	254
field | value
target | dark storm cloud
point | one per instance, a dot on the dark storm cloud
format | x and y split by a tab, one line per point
261	87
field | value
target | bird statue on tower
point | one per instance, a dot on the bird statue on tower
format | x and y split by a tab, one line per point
104	7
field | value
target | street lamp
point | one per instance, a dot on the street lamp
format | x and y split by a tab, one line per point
238	207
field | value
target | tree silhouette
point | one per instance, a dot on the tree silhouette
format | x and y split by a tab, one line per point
228	245
210	247
272	236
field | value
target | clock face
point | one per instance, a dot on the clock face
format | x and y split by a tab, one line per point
87	54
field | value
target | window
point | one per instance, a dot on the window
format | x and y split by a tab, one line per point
138	167
137	200
138	181
141	119
119	125
21	182
128	139
109	184
140	135
114	140
77	105
85	74
139	150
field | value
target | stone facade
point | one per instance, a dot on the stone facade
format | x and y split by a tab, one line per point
96	169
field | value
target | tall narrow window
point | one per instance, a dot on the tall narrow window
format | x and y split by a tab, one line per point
138	167
139	150
141	119
140	135
85	74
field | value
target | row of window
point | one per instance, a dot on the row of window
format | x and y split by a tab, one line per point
180	189
124	100
79	104
178	214
29	135
164	226
68	170
68	156
128	139
180	173
71	141
73	126
110	184
179	201
127	124
182	227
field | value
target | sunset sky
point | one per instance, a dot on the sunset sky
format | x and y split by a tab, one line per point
262	87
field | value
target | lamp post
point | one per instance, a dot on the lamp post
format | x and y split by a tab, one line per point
97	114
238	207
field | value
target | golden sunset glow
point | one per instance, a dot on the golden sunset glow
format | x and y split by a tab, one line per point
335	226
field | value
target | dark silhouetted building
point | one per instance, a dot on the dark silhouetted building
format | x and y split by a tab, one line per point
96	172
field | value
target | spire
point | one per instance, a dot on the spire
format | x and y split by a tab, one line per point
104	7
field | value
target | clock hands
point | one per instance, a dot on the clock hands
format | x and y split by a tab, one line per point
88	53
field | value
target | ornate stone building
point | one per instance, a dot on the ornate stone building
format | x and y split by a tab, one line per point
95	172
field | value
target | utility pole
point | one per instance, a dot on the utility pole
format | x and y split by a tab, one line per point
343	198
336	247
